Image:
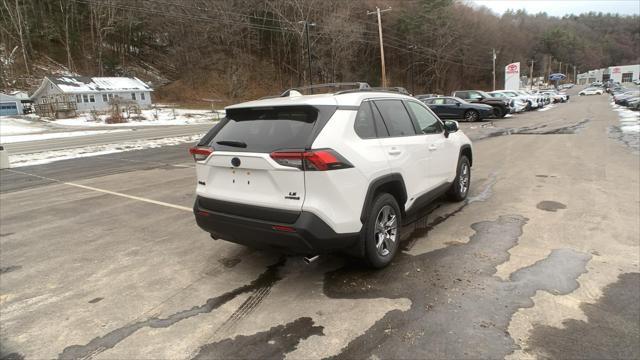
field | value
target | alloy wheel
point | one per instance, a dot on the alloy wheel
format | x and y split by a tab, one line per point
386	230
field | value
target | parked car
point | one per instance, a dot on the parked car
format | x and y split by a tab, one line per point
541	100
591	91
500	106
596	84
622	98
455	108
634	103
326	173
517	103
426	96
556	96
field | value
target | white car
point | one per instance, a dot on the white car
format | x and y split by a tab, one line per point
556	96
340	172
516	103
531	101
591	91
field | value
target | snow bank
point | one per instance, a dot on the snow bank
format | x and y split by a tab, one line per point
160	116
57	155
19	126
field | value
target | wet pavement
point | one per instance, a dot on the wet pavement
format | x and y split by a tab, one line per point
541	261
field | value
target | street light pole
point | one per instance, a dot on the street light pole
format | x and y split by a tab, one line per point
494	69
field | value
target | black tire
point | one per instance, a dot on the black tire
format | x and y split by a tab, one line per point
457	192
374	254
528	107
471	116
499	112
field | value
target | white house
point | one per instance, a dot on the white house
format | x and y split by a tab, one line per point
10	105
62	95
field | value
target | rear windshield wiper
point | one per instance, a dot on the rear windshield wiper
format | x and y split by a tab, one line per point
239	144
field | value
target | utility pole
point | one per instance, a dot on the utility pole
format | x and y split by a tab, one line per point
413	88
494	69
560	67
306	30
574	74
378	11
531	73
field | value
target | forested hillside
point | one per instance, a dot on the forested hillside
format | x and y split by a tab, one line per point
237	49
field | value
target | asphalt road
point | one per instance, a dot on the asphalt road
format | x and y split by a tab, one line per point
101	258
155	132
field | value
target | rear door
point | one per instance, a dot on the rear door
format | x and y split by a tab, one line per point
241	169
406	151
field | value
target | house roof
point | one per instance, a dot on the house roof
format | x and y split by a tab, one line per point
8	97
84	84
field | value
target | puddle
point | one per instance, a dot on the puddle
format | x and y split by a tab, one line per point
274	343
459	309
551	206
612	330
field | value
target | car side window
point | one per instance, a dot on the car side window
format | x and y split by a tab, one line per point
429	123
462	94
438	101
474	95
395	117
363	124
450	102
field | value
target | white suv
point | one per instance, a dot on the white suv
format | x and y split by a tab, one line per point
324	173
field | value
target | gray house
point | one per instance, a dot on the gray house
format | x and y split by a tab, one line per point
62	96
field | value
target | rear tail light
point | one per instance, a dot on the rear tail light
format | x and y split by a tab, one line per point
200	153
313	160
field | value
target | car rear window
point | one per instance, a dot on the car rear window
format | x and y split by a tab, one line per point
265	129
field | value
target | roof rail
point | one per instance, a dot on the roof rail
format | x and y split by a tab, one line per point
393	89
315	89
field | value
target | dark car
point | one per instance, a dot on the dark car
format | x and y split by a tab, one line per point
456	108
500	106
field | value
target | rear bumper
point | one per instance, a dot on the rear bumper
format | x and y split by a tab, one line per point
307	234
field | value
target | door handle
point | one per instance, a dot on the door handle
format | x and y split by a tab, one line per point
394	151
432	147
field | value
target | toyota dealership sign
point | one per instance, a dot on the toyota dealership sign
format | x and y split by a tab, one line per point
512	76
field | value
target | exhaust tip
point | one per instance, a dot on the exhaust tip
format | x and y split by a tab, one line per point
309	259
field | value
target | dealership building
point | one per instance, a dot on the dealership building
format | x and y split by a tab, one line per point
621	74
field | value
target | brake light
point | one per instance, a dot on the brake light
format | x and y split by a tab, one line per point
314	160
200	153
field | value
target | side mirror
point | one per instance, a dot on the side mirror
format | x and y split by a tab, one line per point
450	126
458	104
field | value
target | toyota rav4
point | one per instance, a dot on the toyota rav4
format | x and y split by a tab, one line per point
339	172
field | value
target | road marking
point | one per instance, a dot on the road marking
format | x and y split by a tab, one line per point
161	203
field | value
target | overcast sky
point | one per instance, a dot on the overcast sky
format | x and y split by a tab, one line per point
563	7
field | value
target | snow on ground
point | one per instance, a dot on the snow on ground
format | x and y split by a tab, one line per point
158	116
52	135
19	125
629	119
57	155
